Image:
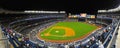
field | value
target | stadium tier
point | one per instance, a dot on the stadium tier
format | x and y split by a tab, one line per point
56	30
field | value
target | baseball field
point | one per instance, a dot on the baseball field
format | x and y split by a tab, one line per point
64	31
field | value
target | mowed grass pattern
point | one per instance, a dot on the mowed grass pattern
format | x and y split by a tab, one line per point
79	28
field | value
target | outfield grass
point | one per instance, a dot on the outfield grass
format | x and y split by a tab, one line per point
79	28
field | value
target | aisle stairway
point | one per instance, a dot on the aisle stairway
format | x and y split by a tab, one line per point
1	41
118	39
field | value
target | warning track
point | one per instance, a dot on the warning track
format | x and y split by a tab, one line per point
69	32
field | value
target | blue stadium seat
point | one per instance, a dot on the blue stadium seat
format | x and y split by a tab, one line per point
94	45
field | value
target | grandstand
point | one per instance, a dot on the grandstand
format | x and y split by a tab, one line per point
21	29
59	24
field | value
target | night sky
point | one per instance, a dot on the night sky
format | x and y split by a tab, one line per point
73	6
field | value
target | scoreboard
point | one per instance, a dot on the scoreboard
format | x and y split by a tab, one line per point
90	16
82	15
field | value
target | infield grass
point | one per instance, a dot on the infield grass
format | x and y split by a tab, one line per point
80	29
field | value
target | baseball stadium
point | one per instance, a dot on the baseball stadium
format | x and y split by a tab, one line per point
59	24
53	29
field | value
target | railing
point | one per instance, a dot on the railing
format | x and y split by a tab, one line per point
107	42
4	39
109	45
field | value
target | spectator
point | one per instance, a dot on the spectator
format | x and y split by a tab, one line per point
100	44
66	46
113	46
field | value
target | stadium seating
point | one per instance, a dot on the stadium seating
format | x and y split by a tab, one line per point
16	36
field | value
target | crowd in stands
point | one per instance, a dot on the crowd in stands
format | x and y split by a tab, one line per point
96	40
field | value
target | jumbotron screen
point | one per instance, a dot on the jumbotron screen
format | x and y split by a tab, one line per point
83	14
90	16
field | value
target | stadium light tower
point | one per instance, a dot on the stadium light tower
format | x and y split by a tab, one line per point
99	11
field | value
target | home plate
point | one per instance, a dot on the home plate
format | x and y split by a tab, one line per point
56	31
